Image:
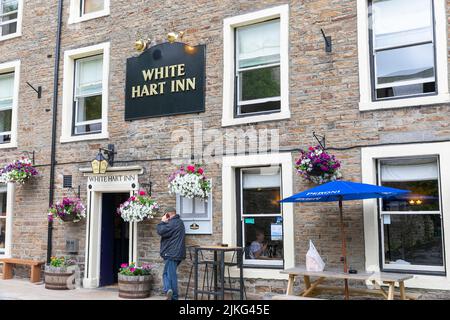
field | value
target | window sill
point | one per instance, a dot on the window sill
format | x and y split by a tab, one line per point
87	137
257	118
407	102
10	36
87	17
8	145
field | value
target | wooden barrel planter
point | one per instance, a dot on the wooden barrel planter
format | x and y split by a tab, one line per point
134	287
58	278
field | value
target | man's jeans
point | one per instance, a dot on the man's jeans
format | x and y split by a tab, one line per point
170	280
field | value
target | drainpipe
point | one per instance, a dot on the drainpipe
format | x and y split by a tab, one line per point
51	194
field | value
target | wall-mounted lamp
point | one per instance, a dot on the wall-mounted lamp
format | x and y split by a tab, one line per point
140	45
100	164
174	36
328	47
38	90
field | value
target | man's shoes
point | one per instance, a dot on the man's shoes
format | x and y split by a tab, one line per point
169	294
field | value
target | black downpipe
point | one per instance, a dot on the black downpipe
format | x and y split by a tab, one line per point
51	194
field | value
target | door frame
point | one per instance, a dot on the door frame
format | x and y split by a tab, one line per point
116	180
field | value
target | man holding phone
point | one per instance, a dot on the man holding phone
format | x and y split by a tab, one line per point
172	250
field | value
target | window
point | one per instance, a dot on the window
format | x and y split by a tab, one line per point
2	219
196	214
6	106
402	53
256	67
411	225
261	216
83	10
10	18
9	83
85	93
88	95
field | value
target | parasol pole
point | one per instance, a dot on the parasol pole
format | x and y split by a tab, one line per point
344	246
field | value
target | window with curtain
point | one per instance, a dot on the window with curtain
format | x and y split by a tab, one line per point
9	10
258	68
90	6
261	216
6	105
2	219
403	49
88	95
412	234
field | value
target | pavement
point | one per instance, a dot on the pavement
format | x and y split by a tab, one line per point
22	289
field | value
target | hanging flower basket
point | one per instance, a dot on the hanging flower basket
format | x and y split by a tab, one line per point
19	171
138	208
190	182
317	166
68	210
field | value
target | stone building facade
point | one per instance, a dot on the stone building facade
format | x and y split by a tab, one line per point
325	92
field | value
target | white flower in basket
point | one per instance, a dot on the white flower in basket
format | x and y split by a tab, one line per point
190	183
138	208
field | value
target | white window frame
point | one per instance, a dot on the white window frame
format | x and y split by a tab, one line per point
18	32
68	92
365	86
229	27
75	15
229	166
204	223
9	188
369	158
256	262
7	67
410	268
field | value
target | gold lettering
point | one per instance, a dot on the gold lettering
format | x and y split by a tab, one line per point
190	84
181	71
144	91
136	92
161	87
148	74
159	73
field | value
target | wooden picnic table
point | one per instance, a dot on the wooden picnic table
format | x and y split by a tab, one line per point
376	278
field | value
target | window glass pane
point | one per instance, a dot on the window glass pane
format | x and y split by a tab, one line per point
259	83
93	5
261	191
259	107
258	44
8	12
187	205
2	232
88	128
400	22
413	239
8	6
2	204
89	108
263	238
6	89
414	64
5	120
420	176
408	90
90	75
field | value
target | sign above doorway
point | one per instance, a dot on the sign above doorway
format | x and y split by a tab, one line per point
166	79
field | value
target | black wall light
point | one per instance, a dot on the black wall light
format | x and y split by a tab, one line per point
328	46
38	90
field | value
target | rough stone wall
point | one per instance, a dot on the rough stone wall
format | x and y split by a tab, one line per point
323	96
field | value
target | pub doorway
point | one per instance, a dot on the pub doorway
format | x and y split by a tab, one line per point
115	238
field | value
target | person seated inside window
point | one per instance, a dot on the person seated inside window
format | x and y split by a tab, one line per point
258	247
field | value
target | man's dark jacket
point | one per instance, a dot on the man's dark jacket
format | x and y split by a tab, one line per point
172	239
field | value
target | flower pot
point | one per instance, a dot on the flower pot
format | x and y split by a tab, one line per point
134	287
58	278
68	218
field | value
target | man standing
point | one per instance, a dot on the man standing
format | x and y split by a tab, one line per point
173	249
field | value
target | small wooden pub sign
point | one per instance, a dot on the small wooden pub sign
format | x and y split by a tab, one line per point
166	79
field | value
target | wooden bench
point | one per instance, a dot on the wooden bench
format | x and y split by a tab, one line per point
375	278
8	268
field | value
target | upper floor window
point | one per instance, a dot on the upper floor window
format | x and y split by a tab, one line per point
10	18
88	95
402	41
402	48
256	67
6	106
82	10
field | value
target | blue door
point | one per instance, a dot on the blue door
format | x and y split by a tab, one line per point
114	238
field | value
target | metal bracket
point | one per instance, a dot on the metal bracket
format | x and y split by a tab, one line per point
33	153
147	187
110	152
321	140
328	46
38	90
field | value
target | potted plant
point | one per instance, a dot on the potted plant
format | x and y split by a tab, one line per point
317	166
190	182
135	281
59	272
19	171
138	208
69	209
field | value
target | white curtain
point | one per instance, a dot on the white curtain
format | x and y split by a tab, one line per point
409	172
6	90
93	5
90	74
260	180
259	44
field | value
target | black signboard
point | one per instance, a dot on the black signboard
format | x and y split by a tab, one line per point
166	79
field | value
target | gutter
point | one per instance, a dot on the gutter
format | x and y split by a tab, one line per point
51	194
